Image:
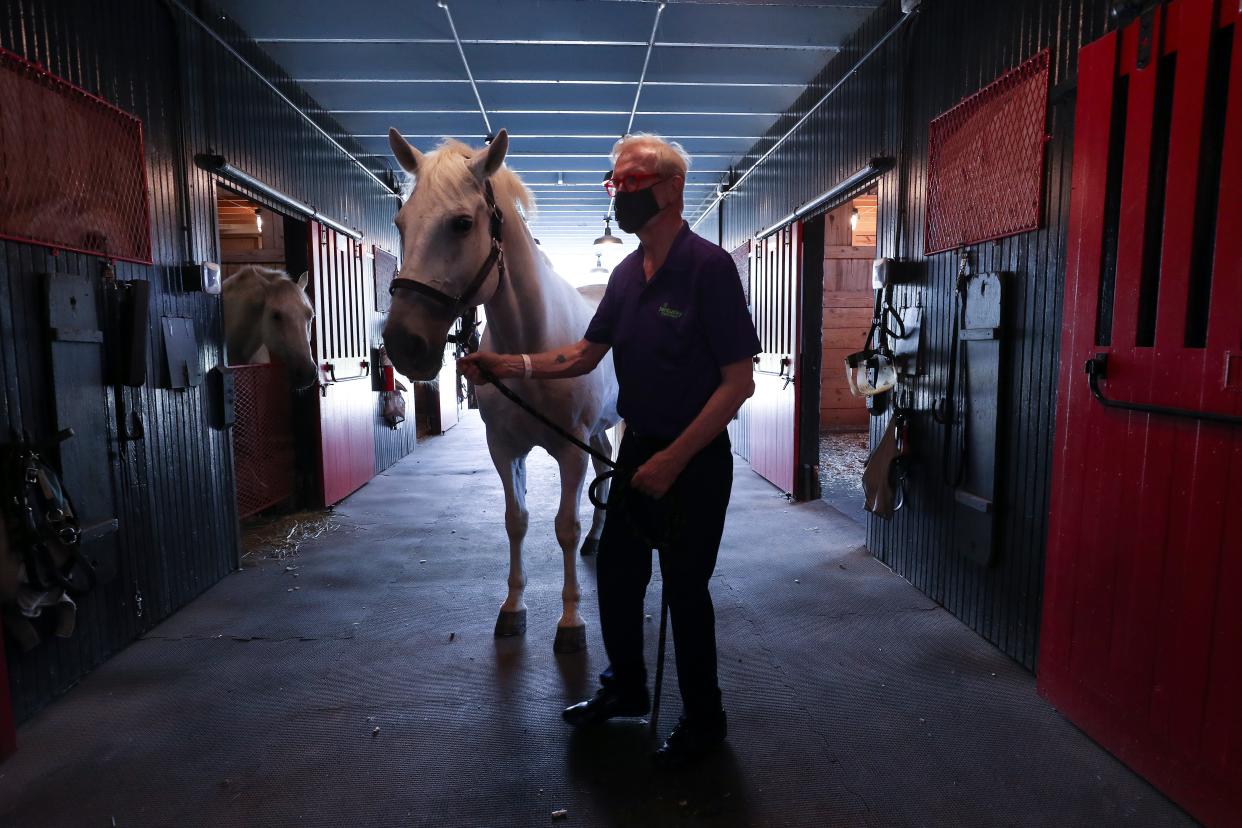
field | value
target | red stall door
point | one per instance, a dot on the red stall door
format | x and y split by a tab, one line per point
346	401
775	290
1141	642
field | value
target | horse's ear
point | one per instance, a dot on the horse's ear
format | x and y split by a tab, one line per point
304	279
484	164
408	157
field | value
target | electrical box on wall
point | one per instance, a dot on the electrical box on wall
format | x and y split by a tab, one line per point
221	392
131	304
181	352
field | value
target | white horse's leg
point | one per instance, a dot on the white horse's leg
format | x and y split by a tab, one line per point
570	630
511	466
600	443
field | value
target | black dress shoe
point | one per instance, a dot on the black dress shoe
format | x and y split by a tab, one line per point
609	702
692	740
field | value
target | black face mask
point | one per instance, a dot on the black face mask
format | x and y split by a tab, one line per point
635	209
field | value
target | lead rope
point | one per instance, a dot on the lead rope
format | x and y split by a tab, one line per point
623	482
513	397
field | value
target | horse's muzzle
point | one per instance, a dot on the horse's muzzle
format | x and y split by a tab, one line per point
412	354
303	375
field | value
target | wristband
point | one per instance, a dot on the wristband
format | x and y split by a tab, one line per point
526	367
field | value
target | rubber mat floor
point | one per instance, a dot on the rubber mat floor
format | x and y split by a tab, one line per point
357	683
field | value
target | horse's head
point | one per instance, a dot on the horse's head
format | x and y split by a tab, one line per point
445	244
287	315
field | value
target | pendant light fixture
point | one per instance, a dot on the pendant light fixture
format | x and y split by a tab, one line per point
608	237
599	268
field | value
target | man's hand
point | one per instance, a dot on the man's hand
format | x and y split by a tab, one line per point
573	361
658	474
470	365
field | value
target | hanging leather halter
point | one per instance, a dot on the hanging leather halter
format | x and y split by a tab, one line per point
463	302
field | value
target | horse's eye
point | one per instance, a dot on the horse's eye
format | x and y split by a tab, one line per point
276	317
462	224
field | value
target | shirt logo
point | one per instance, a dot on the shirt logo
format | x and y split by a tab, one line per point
669	313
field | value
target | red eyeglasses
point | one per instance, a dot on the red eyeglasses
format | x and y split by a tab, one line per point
630	183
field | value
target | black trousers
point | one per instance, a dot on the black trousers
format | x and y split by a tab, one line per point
687	522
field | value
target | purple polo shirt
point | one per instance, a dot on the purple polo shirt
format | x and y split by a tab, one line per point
671	335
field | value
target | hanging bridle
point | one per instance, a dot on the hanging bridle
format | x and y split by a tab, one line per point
462	303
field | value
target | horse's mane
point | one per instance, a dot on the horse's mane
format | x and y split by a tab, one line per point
507	185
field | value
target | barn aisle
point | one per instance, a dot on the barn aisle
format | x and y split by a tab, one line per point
853	699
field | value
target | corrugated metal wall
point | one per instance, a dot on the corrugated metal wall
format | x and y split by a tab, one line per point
173	489
951	49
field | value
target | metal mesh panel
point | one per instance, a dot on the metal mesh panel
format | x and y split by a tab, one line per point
262	437
385	271
986	159
741	258
72	173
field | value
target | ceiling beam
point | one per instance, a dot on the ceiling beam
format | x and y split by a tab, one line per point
554	82
448	41
821	4
582	136
580	188
646	60
603	155
465	63
775	145
214	35
694	171
661	112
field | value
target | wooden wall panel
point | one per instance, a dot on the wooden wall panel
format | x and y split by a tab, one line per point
847	308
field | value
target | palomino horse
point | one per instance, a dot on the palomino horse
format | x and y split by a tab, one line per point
450	238
266	311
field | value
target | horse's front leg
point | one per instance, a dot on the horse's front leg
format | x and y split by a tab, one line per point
570	630
511	466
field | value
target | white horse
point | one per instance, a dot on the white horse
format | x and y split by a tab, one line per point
445	239
267	315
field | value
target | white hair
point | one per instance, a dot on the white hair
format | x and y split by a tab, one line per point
671	157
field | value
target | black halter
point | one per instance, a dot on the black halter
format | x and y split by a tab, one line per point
496	258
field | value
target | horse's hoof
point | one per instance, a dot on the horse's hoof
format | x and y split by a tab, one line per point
509	624
589	547
570	640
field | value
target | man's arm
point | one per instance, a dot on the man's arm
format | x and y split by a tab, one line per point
573	361
657	475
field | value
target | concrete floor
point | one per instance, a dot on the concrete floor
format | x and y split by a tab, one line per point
853	699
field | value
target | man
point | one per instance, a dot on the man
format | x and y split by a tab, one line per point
676	319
